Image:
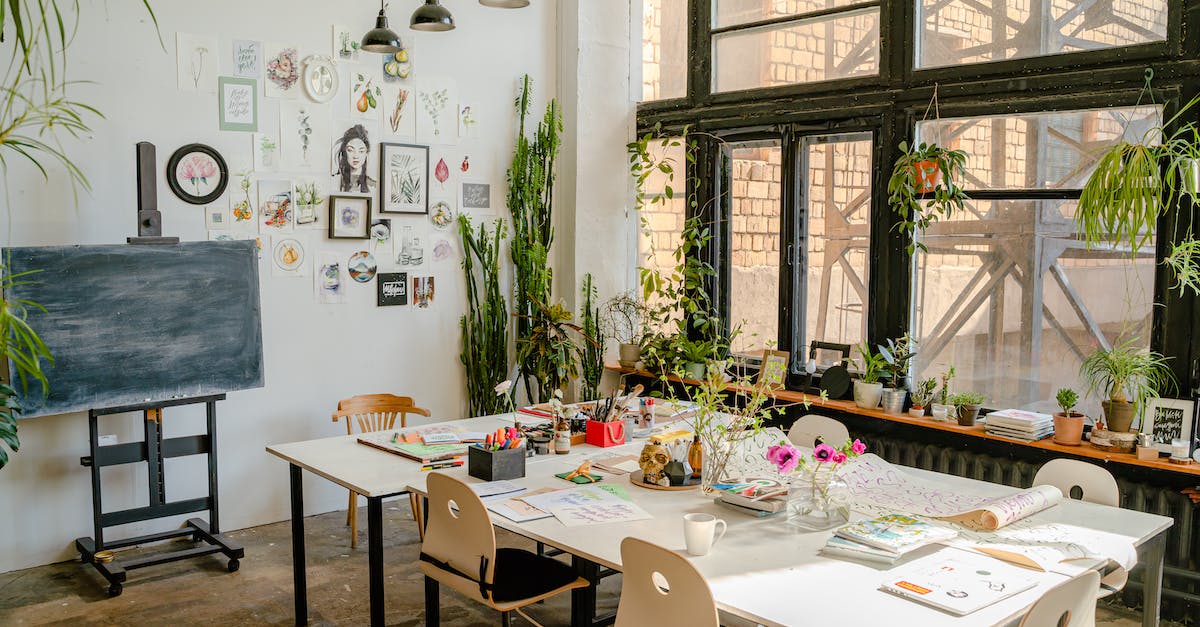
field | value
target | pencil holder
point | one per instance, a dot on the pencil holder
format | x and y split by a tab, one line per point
605	433
490	465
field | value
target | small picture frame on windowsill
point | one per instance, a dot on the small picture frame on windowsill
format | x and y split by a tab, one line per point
773	371
349	217
1167	419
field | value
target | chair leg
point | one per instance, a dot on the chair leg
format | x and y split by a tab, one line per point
354	520
433	614
505	620
415	502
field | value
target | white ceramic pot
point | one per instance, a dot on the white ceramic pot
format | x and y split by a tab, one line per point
867	395
916	412
942	413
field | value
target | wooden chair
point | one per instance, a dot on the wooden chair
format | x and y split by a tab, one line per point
808	428
1096	485
376	412
1071	604
661	587
459	550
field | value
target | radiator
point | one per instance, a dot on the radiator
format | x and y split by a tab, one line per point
1181	581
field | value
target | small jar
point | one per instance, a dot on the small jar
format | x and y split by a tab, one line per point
562	441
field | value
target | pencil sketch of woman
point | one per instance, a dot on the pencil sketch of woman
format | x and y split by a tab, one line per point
350	156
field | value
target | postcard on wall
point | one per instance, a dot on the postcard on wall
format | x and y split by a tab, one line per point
276	214
366	97
409	244
282	65
442	175
289	257
392	289
476	197
196	62
303	135
308	196
247	58
345	43
352	158
266	152
468	122
216	217
423	291
399	111
444	250
442	214
398	66
238	101
329	279
242	204
381	236
404	174
437	112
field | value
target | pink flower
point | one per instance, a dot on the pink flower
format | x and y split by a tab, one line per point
206	167
785	457
839	457
186	171
858	447
823	452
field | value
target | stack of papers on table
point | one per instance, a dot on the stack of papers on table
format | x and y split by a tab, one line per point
1020	425
884	539
958	582
756	497
589	505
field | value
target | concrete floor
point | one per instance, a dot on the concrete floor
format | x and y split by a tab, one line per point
200	592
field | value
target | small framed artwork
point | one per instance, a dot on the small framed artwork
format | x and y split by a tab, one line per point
1167	419
239	104
392	289
197	174
403	178
774	369
476	197
349	217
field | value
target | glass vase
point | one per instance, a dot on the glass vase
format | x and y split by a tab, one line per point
818	500
712	465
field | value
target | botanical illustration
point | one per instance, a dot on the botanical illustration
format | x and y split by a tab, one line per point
468	125
405	171
345	44
198	173
308	200
196	62
441	173
381	231
365	96
266	152
434	104
302	127
441	214
283	72
397	116
242	208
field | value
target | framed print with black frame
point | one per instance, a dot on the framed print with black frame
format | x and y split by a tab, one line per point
1166	419
197	174
349	217
403	178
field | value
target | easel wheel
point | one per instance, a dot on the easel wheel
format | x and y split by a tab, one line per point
114	590
233	566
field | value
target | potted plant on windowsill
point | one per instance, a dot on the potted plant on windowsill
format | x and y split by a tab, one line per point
898	354
1127	376
925	187
867	388
968	404
922	395
942	409
624	318
1068	423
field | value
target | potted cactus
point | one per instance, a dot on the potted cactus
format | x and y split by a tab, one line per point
922	396
941	408
1068	423
968	404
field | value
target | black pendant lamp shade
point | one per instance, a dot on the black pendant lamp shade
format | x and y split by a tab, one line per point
381	38
505	4
431	16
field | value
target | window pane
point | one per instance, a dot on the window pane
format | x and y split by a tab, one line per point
754	276
954	32
820	49
734	12
664	49
838	189
1056	150
662	219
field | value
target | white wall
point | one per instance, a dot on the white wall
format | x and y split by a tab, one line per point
314	354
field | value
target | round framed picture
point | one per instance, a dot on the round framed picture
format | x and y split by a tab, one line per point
197	174
320	78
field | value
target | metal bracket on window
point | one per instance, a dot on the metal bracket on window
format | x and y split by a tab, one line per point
790	259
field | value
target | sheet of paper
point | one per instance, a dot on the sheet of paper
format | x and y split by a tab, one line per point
599	513
518	511
492	489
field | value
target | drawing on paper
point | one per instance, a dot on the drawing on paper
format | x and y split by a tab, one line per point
477	196
196	62
404	173
442	173
277	211
308	201
441	214
468	125
423	291
381	231
247	58
351	152
435	103
283	70
266	152
397	119
328	279
239	104
345	44
288	255
362	266
397	66
366	96
443	250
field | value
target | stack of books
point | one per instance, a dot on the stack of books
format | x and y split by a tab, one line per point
754	497
1019	425
884	539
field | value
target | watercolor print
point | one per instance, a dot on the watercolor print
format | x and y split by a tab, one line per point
443	250
408	246
441	214
362	266
399	111
476	197
423	291
465	166
381	232
216	218
309	200
241	206
329	279
349	217
288	256
405	174
352	159
468	124
276	214
221	236
397	66
196	62
283	71
365	96
303	135
247	58
266	152
437	110
345	43
238	98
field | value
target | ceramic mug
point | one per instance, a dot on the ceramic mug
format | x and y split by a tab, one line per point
700	532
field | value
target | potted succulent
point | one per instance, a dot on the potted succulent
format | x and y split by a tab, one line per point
897	356
968	404
942	409
1128	377
925	188
922	396
1068	423
867	388
624	317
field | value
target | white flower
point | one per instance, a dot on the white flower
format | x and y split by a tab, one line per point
503	387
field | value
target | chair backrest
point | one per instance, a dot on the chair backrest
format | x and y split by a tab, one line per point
1096	484
376	412
646	570
808	428
1071	604
461	535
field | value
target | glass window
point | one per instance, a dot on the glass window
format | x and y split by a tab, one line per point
840	45
664	49
954	32
734	12
1008	294
755	202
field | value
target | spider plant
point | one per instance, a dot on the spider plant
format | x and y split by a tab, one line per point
1184	262
1127	374
20	344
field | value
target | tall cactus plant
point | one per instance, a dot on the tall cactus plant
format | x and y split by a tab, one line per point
485	325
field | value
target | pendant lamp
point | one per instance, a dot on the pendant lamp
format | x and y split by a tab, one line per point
431	16
381	38
505	4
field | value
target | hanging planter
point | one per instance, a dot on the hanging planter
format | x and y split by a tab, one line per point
927	175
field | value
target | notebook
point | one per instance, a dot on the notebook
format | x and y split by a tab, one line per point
958	582
894	532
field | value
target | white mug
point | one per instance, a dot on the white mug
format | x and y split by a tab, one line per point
700	532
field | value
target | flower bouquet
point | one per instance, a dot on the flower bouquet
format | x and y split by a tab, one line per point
815	493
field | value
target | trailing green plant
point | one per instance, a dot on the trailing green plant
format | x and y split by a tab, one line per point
908	188
899	354
1127	373
922	393
20	345
967	398
591	349
485	326
944	393
871	366
1067	400
1184	262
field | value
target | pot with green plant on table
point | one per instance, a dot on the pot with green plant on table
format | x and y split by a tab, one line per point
968	404
1127	376
922	396
1068	423
624	318
868	390
897	356
942	409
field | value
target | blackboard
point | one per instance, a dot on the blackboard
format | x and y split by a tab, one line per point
142	323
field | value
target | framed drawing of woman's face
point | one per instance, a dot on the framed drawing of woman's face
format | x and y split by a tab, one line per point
351	161
403	178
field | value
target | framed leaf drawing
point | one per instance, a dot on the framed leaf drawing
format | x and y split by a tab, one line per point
197	174
403	178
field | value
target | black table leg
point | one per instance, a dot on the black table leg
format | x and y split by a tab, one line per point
375	557
299	581
433	608
583	600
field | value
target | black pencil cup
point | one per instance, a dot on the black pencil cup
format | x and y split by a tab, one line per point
496	465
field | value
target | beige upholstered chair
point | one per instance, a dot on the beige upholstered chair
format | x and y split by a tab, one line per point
1071	604
459	550
661	587
1096	485
376	412
807	429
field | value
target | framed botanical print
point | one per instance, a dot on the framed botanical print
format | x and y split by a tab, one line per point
403	178
349	217
1167	419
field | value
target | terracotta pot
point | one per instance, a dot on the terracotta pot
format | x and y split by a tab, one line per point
1068	430
967	415
629	354
1118	416
867	395
927	175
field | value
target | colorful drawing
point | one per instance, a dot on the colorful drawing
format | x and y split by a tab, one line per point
247	58
405	174
196	62
275	209
197	174
466	164
441	214
443	250
397	67
288	254
349	217
345	44
362	266
283	71
239	104
266	152
442	173
350	156
468	125
242	209
399	109
423	291
308	200
328	279
365	96
434	103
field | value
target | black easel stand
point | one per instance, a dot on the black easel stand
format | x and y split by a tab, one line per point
153	451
